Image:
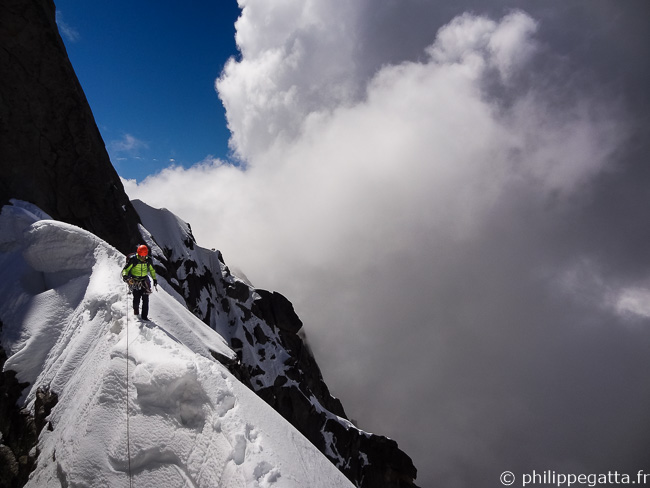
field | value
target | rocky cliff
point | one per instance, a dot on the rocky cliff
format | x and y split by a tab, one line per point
51	152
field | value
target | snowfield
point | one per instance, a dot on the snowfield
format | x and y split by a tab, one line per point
68	327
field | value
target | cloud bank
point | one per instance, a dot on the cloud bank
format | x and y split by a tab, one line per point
450	227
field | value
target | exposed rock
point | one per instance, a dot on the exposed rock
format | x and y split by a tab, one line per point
51	152
8	468
276	310
45	401
19	430
238	290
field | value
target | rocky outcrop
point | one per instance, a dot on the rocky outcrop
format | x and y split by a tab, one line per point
19	428
274	359
51	152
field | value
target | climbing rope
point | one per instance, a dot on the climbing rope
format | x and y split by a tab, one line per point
128	433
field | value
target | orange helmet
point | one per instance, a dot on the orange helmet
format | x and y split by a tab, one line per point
142	250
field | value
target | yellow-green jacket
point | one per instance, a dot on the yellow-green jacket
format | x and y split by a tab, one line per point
139	268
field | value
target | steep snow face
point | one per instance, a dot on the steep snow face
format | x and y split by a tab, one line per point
140	399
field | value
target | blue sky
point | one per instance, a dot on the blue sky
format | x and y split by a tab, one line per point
149	74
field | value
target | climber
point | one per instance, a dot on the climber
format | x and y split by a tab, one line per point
135	273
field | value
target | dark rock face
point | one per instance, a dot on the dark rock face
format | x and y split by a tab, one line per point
276	310
274	359
51	152
19	428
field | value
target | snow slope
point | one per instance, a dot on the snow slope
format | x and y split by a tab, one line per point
67	328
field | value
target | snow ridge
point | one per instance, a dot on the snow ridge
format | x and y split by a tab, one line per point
273	358
65	318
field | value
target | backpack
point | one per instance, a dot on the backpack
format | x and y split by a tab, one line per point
133	259
134	284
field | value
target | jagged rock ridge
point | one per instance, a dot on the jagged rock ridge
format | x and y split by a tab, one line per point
274	360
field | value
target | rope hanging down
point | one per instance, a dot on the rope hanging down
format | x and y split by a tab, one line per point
128	434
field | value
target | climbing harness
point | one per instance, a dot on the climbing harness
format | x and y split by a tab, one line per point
135	284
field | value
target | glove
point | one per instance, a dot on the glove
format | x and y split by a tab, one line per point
155	282
125	278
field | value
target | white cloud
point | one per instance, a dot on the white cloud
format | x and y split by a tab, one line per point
68	32
421	226
510	43
634	301
297	57
129	144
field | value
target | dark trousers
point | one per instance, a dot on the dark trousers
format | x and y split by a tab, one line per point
141	293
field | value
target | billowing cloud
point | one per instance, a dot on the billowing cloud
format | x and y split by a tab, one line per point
444	226
297	57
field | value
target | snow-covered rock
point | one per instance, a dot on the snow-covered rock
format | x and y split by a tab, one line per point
273	357
146	400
